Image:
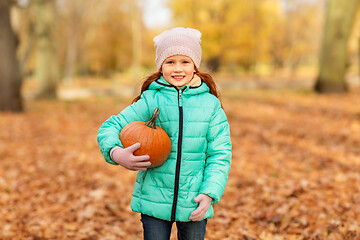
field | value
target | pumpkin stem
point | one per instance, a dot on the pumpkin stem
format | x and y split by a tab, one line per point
152	121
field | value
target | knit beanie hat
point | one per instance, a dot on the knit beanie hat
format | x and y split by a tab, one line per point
178	41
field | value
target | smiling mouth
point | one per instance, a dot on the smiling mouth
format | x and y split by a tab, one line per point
178	77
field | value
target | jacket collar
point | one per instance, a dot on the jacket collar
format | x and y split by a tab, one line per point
162	84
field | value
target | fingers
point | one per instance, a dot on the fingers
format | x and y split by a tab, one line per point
141	163
197	199
141	158
139	166
204	204
198	214
133	147
195	213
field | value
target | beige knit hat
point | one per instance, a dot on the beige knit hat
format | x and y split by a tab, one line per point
178	41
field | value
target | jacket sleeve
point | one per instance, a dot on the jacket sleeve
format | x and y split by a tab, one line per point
108	134
218	158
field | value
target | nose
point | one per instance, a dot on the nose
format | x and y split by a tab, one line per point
178	68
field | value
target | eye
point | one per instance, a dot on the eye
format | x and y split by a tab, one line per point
169	62
186	62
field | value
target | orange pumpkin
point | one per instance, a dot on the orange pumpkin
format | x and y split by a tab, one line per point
153	140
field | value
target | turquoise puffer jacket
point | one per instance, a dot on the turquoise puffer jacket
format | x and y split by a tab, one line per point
199	161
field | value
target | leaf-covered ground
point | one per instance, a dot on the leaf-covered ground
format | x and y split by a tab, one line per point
295	171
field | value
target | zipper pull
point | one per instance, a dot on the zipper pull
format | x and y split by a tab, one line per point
180	98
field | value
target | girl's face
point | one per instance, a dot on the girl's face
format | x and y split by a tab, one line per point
178	70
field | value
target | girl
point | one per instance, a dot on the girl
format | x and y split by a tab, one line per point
194	176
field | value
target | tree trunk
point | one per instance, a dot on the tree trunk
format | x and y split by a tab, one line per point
25	56
76	10
46	65
340	17
71	52
10	76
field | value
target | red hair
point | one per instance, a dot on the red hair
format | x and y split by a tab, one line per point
205	77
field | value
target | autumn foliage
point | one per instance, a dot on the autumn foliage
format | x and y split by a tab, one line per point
294	174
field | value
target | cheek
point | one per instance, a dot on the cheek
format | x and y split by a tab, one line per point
166	71
166	75
190	72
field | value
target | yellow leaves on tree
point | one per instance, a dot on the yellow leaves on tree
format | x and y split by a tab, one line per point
248	33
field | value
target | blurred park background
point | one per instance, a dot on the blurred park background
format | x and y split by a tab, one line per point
288	71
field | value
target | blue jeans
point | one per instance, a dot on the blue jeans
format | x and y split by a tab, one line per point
157	229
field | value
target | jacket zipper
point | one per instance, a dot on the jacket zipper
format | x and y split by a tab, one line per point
178	160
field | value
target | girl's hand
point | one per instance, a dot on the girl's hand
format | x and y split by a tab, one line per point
125	157
204	204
